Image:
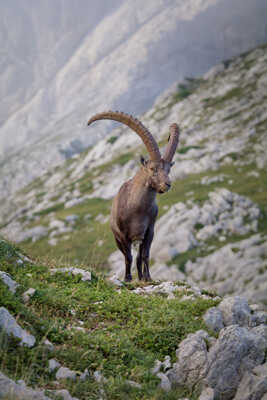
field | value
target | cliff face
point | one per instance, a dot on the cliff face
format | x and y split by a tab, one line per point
211	229
62	63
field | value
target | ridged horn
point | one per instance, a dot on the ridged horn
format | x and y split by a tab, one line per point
136	126
172	143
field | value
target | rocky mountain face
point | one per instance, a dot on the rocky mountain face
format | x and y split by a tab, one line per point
211	230
61	63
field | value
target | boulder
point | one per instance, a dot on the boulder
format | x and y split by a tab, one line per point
235	310
236	351
66	373
192	360
9	325
214	319
6	278
253	385
9	389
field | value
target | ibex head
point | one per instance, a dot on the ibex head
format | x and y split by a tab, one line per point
157	171
157	168
157	174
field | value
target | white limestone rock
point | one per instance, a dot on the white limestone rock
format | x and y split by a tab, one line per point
84	375
53	365
214	319
237	350
176	231
99	378
133	384
34	234
235	310
165	384
28	294
9	325
6	278
207	394
66	373
253	384
235	268
86	275
10	389
192	360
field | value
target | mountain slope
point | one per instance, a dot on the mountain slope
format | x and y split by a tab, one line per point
67	332
77	64
212	224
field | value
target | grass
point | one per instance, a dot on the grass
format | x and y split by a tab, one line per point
112	139
124	332
51	209
121	160
185	149
82	244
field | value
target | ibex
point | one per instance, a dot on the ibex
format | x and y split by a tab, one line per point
134	208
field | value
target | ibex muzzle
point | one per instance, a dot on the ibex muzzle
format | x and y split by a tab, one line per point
134	208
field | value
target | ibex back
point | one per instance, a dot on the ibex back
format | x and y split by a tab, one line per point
134	208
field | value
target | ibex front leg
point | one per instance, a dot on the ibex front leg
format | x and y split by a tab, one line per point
125	248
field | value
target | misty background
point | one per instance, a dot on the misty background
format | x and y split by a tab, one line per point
63	61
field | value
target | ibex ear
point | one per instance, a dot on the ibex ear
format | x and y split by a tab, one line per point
143	161
172	163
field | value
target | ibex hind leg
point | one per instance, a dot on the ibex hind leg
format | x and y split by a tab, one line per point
146	251
139	262
126	250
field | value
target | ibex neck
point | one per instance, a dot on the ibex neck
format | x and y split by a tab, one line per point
142	193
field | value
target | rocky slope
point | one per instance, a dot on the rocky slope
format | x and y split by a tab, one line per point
211	229
67	333
60	63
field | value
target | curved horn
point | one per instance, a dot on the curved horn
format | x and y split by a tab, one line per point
136	126
172	143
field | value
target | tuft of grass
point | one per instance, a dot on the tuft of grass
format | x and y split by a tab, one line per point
112	139
49	210
185	149
82	245
187	88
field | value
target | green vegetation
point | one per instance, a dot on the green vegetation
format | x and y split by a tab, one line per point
112	139
124	333
48	210
83	245
186	88
219	100
185	149
122	159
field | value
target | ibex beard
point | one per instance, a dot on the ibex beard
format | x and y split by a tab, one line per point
134	208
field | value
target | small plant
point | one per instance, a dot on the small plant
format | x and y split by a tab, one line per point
186	88
48	210
185	149
112	139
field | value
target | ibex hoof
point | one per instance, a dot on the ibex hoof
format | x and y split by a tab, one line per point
147	278
128	278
